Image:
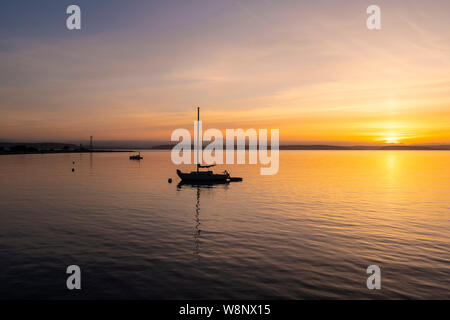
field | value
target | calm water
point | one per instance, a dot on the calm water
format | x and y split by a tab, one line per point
308	232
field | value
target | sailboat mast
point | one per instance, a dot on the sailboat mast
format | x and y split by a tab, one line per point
198	137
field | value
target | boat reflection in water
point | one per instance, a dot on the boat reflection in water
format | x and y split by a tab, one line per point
199	186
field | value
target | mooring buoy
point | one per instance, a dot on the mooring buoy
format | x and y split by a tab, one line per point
170	180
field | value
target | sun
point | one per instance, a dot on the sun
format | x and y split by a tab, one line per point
392	140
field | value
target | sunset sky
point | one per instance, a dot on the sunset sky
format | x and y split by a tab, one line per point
138	69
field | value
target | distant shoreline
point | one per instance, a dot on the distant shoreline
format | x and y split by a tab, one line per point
8	148
5	153
331	147
11	148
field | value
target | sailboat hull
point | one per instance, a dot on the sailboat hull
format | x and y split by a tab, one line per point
203	176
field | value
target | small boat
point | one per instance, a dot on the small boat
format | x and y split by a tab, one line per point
136	157
205	177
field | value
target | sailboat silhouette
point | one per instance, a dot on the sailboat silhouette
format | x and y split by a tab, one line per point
204	177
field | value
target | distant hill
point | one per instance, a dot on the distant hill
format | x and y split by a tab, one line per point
331	147
39	145
45	147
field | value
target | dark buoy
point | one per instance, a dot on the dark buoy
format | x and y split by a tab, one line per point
170	180
73	169
73	162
